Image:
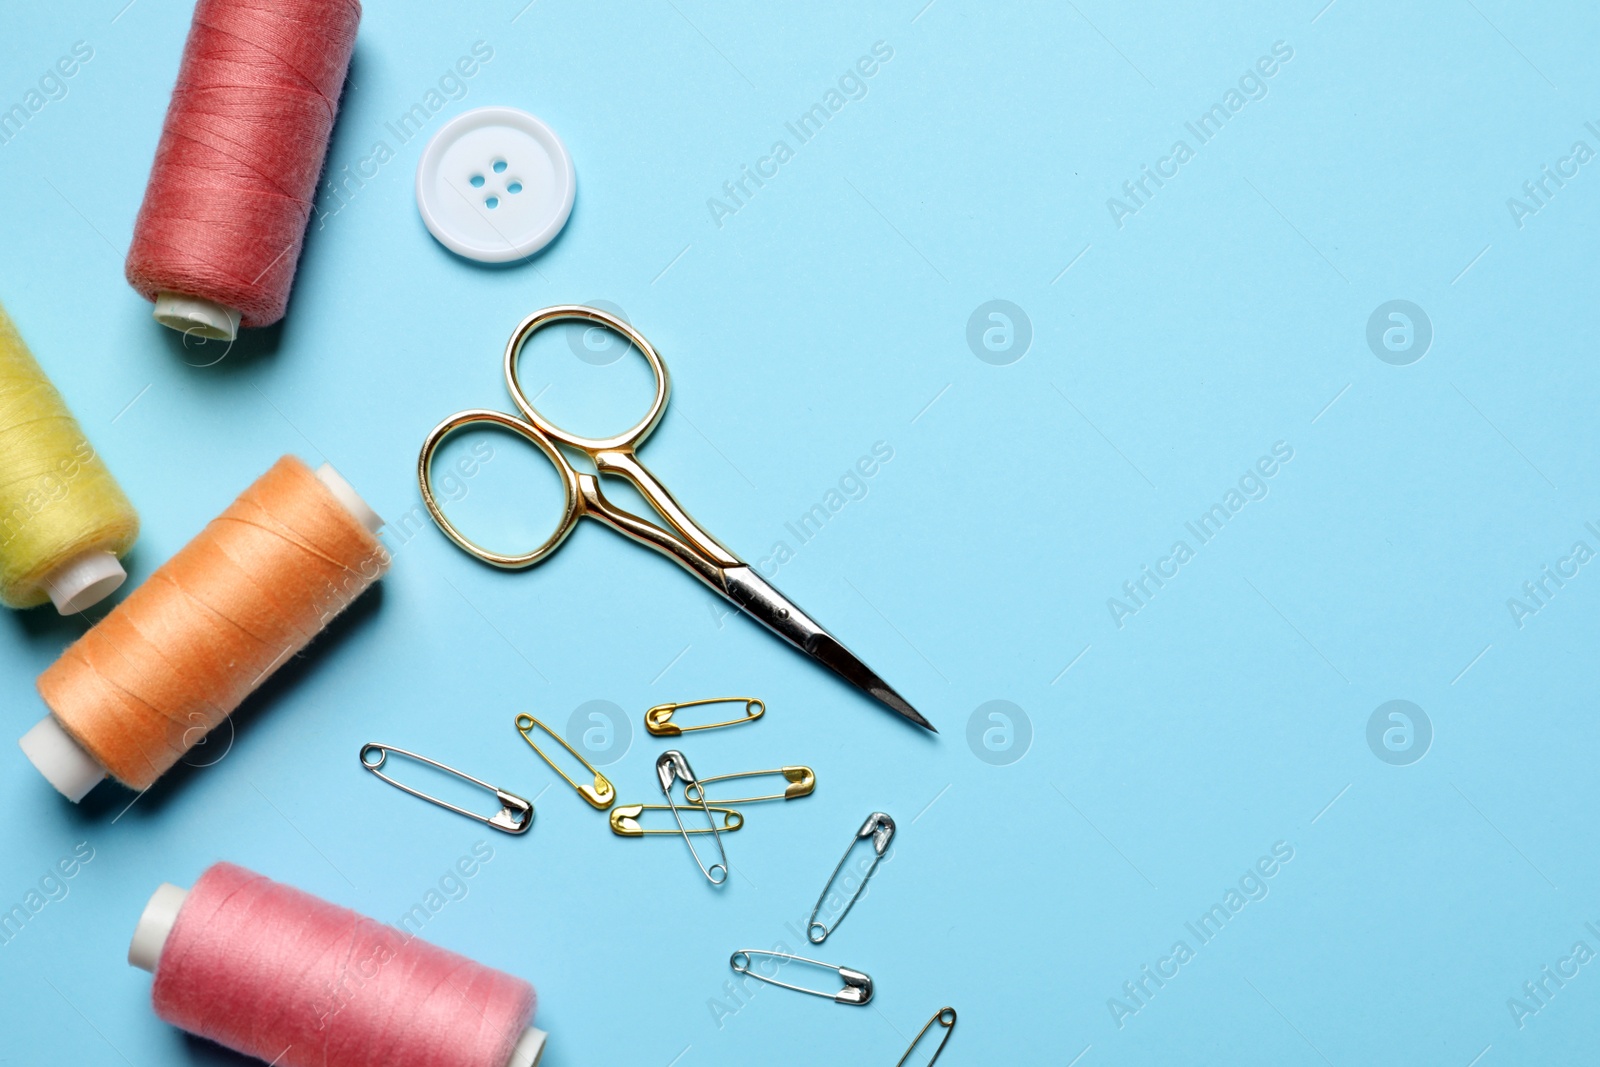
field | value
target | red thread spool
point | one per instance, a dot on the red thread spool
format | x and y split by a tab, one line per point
275	973
224	215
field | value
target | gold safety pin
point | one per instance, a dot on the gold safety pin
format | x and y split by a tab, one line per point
600	794
625	820
945	1017
801	781
658	720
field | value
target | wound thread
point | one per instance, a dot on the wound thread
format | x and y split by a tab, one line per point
275	973
211	624
57	499
231	189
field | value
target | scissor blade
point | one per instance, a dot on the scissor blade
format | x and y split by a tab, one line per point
777	613
842	661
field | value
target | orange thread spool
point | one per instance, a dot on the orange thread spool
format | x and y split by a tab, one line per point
187	647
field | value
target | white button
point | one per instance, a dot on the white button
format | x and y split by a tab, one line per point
495	184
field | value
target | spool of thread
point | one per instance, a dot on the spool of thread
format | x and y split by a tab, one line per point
224	215
177	657
64	521
286	977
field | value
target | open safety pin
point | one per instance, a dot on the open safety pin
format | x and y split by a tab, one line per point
880	828
599	795
801	781
672	765
658	719
625	820
857	986
939	1017
514	817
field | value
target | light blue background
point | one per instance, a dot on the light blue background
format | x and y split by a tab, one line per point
829	313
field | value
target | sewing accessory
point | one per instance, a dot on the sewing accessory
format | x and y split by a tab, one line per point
880	828
64	521
495	185
946	1018
514	817
271	972
801	781
234	180
658	720
625	821
183	651
681	540
599	795
857	986
672	766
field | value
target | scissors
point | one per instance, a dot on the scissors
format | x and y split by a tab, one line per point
680	540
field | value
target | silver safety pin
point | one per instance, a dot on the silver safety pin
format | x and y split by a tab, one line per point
857	986
880	828
514	817
672	765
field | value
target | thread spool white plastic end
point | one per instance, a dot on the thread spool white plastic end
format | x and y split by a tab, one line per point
84	580
155	923
197	316
528	1048
64	763
346	495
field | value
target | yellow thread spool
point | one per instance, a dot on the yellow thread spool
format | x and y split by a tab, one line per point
64	521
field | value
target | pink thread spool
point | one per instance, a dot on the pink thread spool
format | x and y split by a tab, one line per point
218	236
286	977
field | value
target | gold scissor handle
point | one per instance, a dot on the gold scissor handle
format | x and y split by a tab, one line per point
628	439
571	507
684	540
614	454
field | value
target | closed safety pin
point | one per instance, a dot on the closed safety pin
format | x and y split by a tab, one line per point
670	766
880	828
625	820
599	795
945	1017
801	781
658	719
857	985
514	817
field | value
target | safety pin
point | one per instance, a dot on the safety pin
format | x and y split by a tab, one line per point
599	795
857	986
802	780
670	766
514	817
658	719
880	828
938	1017
625	820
